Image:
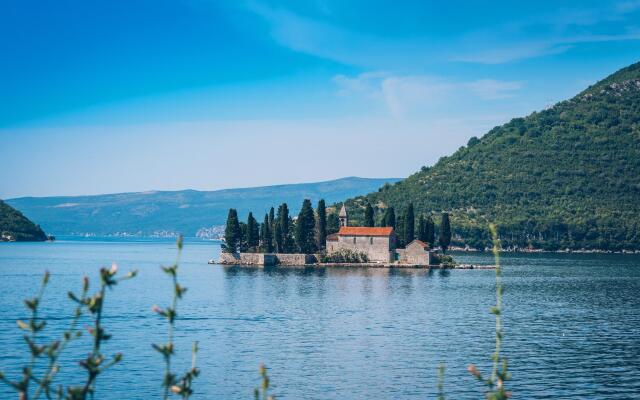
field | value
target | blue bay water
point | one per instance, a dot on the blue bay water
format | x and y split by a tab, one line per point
572	323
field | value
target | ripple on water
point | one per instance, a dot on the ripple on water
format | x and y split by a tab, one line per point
572	323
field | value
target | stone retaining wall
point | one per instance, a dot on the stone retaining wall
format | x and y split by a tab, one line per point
267	259
296	259
248	259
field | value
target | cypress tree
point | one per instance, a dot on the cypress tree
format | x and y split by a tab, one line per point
271	218
266	236
422	229
333	223
368	215
390	218
263	233
445	232
431	231
409	225
305	228
243	237
321	226
253	235
283	220
272	227
232	232
289	241
277	235
400	231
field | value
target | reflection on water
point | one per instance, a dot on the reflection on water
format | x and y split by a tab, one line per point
571	323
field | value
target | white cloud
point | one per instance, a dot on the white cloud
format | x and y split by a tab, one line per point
366	83
531	37
550	34
403	95
501	55
490	89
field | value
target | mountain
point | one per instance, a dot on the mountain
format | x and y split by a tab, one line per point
14	224
564	177
185	211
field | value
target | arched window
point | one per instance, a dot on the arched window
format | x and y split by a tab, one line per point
354	240
370	240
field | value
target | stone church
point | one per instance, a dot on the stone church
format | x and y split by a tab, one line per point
378	243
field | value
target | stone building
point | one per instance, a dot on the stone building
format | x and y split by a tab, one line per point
416	252
378	243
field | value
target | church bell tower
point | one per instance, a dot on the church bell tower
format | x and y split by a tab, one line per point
343	216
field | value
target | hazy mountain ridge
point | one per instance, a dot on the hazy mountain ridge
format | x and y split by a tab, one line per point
565	177
185	211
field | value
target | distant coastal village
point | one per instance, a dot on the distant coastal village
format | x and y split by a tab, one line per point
323	236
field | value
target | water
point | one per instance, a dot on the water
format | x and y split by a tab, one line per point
572	323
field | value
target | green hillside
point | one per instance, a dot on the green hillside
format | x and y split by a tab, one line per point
16	225
565	177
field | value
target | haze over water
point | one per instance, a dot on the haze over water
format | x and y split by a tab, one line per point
572	323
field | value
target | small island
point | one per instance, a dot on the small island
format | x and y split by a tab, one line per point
328	239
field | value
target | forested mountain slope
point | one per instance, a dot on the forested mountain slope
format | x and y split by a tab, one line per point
565	177
16	225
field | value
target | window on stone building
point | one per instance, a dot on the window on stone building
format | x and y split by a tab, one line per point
354	240
370	240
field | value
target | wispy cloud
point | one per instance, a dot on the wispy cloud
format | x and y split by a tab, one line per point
550	35
317	37
626	7
531	37
492	89
532	49
403	94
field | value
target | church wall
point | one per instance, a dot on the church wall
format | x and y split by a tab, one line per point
377	248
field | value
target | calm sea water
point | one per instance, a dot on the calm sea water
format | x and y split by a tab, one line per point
572	323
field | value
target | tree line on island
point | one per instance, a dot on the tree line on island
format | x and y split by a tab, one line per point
281	233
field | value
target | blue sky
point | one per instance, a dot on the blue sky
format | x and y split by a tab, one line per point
99	97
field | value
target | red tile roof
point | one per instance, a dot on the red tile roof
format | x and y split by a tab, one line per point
420	242
365	231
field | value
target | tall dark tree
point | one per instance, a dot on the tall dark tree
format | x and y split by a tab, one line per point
266	237
253	234
390	218
321	225
290	245
409	225
445	232
232	233
243	238
305	228
272	227
333	223
271	218
278	239
400	231
368	215
422	229
431	231
283	221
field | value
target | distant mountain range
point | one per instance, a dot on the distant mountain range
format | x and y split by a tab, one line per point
186	211
564	177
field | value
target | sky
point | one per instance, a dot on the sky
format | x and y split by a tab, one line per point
121	96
